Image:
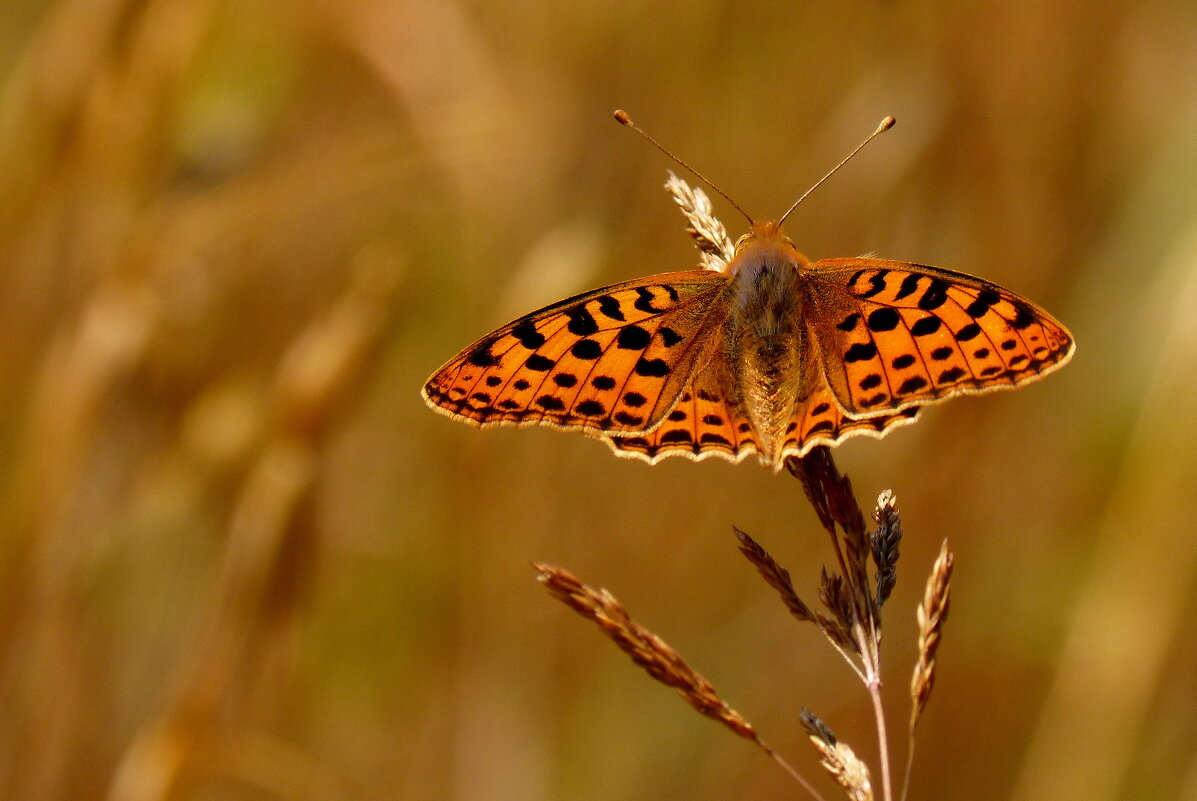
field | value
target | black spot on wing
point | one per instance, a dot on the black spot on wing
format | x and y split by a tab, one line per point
860	352
652	368
913	384
581	322
633	337
950	375
586	350
609	307
876	284
909	284
528	336
970	331
644	300
590	408
883	319
1023	318
926	326
981	305
934	296
628	419
481	356
669	337
539	363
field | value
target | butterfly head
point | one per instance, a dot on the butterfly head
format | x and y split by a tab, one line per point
765	243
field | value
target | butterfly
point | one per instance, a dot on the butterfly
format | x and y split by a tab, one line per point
765	352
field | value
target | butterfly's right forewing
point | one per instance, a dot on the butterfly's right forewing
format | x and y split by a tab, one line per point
893	335
614	359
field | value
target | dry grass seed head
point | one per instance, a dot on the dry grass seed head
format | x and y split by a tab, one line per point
714	245
931	616
645	648
845	767
884	542
774	575
838	759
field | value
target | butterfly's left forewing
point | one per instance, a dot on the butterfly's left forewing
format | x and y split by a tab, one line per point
893	335
613	359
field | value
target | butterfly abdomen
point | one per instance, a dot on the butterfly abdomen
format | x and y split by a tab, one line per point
765	335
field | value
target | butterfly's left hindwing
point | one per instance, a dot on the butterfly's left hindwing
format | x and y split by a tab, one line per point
614	359
892	335
704	422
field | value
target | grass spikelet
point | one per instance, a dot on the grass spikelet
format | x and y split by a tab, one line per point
645	648
709	234
838	759
774	575
884	542
931	616
656	657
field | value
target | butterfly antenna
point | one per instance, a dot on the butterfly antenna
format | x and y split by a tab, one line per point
885	125
622	118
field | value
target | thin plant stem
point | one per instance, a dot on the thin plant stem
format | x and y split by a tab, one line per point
798	777
909	765
874	687
872	656
852	664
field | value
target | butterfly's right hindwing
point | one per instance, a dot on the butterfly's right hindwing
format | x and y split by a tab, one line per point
613	359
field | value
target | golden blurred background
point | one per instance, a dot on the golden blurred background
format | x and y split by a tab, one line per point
242	560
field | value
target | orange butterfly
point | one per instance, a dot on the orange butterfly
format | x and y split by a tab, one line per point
769	353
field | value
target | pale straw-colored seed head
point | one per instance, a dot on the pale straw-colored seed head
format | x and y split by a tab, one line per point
845	767
714	245
932	613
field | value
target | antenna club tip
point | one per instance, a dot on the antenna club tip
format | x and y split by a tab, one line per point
886	124
622	117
